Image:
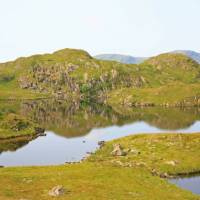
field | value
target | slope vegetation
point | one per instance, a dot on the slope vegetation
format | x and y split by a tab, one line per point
172	80
74	75
136	175
64	74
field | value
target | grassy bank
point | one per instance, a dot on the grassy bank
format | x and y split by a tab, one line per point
159	153
104	176
171	95
13	126
12	93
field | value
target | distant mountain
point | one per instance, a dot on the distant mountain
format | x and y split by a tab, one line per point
137	60
192	54
121	58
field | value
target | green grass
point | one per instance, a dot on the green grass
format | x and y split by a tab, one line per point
155	152
13	125
87	181
163	80
12	93
101	176
174	94
68	71
9	82
71	73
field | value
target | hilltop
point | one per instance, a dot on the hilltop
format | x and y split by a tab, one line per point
65	74
75	75
171	80
192	54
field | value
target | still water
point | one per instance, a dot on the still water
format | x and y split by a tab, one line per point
189	183
56	149
74	130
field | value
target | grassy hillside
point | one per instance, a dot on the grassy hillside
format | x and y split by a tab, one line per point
103	176
174	94
154	151
64	74
172	80
167	68
74	74
192	54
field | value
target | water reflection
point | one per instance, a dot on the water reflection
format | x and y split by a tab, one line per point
68	125
72	120
13	144
188	183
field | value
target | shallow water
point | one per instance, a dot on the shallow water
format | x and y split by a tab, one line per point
188	183
74	130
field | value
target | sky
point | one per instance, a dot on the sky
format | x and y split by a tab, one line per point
133	27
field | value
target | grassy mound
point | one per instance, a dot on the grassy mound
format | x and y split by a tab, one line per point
174	61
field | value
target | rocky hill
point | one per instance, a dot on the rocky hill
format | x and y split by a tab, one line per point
65	74
171	80
75	75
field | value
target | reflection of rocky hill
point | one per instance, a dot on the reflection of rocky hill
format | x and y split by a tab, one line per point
70	120
13	144
73	120
164	118
76	119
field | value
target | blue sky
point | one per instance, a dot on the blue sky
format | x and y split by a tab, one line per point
134	27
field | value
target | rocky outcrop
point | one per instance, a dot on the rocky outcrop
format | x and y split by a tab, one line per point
57	191
118	150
